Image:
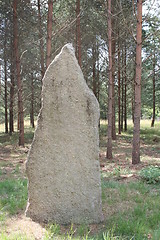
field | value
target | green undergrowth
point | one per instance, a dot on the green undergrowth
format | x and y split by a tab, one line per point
138	214
148	134
151	174
6	139
81	232
4	236
13	196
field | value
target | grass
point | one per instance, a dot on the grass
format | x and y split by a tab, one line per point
143	215
13	196
130	205
4	236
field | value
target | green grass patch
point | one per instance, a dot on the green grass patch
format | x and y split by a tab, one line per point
143	215
13	195
4	236
151	174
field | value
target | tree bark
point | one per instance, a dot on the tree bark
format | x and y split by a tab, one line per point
97	75
125	89
5	97
5	79
133	91
137	107
94	70
109	134
78	33
19	83
11	119
113	90
49	32
119	87
154	101
41	40
32	103
0	78
122	92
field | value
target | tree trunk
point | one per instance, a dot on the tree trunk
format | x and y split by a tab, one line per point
49	32
32	103
113	90
133	91
125	89
11	120
97	75
94	70
5	97
5	79
122	92
109	134
0	79
137	107
78	33
41	40
154	108
19	83
119	87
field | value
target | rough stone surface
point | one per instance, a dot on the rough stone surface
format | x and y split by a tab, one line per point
63	162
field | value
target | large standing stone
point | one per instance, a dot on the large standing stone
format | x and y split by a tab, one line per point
63	163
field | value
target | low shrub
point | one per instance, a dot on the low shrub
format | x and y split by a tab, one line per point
151	174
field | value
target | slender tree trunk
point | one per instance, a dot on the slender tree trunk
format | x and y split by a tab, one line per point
49	32
113	90
78	33
94	70
5	97
109	134
0	81
133	91
98	87
32	103
41	40
113	72
11	119
5	78
154	108
119	87
137	108
97	75
19	83
18	121
0	77
125	89
122	92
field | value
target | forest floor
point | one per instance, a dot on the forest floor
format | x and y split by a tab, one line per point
131	206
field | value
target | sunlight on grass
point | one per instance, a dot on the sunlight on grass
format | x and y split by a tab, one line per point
142	218
4	236
26	125
13	195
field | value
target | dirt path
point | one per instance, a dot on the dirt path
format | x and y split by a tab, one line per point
25	226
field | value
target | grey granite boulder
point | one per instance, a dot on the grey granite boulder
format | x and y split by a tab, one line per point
63	162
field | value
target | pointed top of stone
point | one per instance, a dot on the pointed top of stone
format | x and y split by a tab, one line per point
69	47
66	48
